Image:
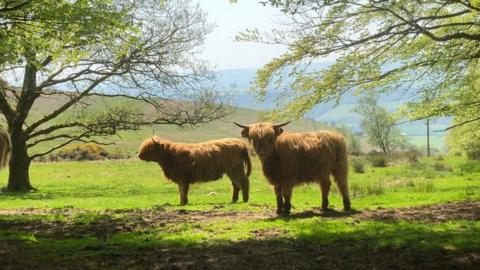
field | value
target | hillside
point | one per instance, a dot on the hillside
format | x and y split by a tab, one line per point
128	142
337	114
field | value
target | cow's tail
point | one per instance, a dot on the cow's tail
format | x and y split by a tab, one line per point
247	160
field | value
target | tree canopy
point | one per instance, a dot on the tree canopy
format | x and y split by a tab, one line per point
408	46
144	51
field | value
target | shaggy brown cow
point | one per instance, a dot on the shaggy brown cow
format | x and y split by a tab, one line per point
186	164
290	159
5	148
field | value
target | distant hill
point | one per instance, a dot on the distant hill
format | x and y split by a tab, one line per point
128	142
332	114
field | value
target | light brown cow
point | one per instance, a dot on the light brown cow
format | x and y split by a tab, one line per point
290	159
5	148
185	164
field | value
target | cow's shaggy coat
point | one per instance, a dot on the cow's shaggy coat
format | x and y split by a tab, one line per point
290	159
185	164
5	148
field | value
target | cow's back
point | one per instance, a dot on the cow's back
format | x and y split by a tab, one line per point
207	161
305	157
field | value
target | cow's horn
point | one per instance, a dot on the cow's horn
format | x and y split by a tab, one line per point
281	125
154	138
240	125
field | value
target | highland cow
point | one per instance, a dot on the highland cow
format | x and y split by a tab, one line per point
290	159
5	148
185	164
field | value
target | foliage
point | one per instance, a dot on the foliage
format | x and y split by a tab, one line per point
358	165
378	160
82	152
415	46
465	138
413	155
471	166
145	51
353	142
440	166
378	124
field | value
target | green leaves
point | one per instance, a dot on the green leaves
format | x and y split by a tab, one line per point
423	47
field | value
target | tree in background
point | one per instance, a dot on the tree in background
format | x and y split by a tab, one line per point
464	135
408	46
378	124
80	51
353	142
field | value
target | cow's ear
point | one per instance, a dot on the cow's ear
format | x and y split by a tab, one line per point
278	131
245	132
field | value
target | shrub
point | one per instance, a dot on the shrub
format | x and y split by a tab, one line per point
413	155
375	188
378	160
473	154
471	166
439	158
439	166
427	186
358	166
82	152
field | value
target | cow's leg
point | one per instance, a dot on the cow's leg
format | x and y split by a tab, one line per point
236	184
287	195
235	192
278	194
341	179
183	190
245	186
325	188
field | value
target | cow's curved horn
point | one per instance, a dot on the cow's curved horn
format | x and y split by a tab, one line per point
240	125
155	139
281	125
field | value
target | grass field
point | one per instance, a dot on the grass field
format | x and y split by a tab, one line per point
124	214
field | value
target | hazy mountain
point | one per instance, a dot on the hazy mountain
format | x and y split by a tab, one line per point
330	113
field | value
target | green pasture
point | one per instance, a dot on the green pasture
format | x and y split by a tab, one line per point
125	214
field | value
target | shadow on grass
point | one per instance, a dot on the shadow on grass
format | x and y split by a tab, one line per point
95	241
144	251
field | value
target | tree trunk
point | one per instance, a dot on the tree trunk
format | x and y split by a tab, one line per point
19	177
428	137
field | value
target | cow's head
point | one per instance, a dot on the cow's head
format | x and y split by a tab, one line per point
263	136
150	149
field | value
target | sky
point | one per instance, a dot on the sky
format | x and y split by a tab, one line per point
221	49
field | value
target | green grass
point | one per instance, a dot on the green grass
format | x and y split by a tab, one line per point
87	231
134	184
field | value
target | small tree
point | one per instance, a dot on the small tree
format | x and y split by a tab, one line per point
353	143
378	124
394	45
76	51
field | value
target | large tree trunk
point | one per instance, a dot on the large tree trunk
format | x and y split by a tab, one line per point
19	177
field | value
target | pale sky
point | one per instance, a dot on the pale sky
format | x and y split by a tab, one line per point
221	49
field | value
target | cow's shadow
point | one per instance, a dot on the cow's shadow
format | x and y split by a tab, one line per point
330	213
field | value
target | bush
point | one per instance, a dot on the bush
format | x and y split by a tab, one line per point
473	154
82	152
471	166
439	166
413	155
378	160
358	166
426	186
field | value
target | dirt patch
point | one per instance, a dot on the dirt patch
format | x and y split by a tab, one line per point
265	250
71	223
430	213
